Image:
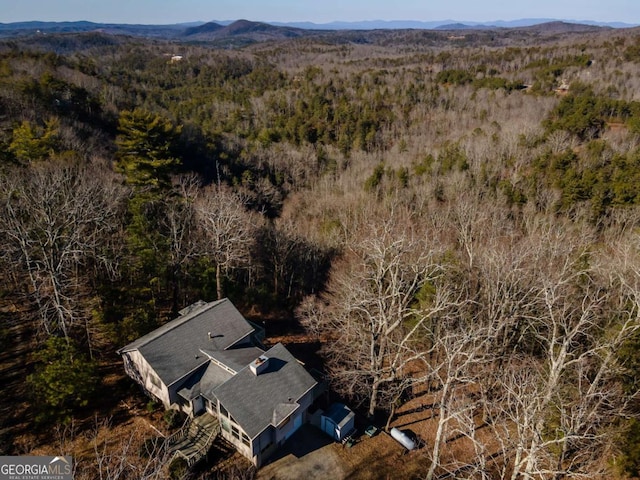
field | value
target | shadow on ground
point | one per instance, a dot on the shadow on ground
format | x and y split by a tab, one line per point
309	454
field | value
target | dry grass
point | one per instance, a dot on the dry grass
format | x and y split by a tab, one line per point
381	457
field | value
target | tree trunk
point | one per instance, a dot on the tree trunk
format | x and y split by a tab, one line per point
435	453
439	438
515	473
373	402
219	281
390	417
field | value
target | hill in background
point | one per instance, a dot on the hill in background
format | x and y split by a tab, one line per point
261	31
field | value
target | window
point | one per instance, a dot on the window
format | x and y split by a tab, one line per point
223	411
225	425
155	381
235	432
245	439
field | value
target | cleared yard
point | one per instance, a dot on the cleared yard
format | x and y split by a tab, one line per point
311	455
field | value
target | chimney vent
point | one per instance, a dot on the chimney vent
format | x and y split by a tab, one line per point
259	365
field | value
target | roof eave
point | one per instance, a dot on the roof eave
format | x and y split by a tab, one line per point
297	401
206	360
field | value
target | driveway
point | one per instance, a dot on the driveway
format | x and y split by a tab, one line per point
309	454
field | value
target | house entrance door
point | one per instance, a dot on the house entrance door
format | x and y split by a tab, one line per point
198	405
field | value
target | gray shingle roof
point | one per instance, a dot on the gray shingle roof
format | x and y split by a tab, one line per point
191	387
213	377
340	414
235	358
173	350
254	401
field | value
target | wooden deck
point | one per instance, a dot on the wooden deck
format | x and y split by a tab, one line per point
194	440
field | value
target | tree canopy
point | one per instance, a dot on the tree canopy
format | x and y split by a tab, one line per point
145	149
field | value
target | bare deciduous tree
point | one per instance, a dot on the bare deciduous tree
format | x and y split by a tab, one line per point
57	223
228	229
181	228
460	349
372	317
137	456
555	394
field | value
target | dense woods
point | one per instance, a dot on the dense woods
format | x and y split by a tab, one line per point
449	216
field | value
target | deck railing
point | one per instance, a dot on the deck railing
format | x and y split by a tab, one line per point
193	441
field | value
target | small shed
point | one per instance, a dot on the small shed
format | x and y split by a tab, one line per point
338	421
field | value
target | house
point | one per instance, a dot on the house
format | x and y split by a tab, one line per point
211	360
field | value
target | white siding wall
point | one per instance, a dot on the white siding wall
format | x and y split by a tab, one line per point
263	446
285	430
146	376
233	433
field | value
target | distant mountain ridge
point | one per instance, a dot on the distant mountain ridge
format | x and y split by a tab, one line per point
36	27
547	27
205	28
430	25
463	26
242	28
246	31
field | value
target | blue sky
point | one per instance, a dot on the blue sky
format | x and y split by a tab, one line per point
318	11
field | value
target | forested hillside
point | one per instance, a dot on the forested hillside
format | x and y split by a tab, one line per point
445	214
